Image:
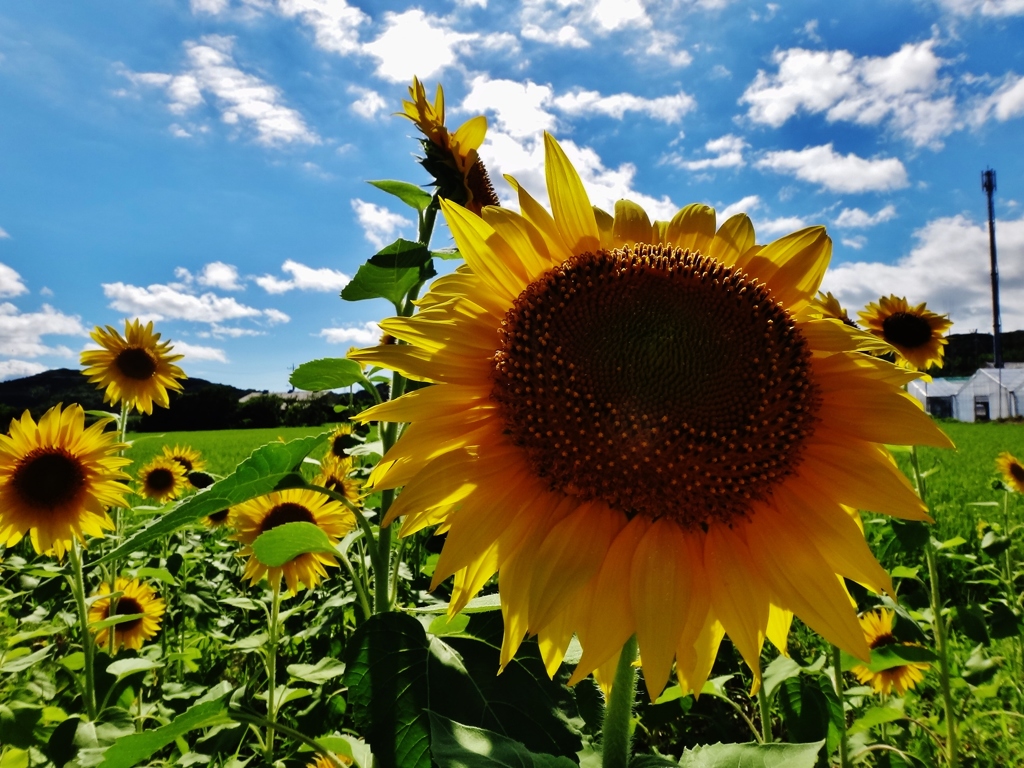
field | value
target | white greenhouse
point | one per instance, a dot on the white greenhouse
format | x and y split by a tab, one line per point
991	393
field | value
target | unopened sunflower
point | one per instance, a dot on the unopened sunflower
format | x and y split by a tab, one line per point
637	427
451	158
137	598
162	479
57	479
136	368
334	475
877	626
296	505
1012	471
915	332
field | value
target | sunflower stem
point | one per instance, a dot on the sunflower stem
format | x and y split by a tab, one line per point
78	590
617	731
837	671
115	512
275	609
765	708
939	629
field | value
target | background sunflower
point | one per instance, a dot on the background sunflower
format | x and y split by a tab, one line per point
915	332
162	479
1011	470
877	627
137	597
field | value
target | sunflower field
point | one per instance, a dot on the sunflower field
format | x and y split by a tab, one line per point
632	493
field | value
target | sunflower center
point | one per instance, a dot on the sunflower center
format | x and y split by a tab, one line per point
126	606
136	363
160	480
906	329
882	641
655	380
48	477
184	462
289	512
1017	472
218	517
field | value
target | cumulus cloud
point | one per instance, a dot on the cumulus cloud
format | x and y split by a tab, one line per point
994	8
242	99
356	335
414	43
835	172
159	302
1006	103
780	226
335	23
562	24
726	152
904	91
855	218
197	352
217	274
304	278
10	282
949	268
369	104
17	369
744	205
380	226
667	109
856	242
21	333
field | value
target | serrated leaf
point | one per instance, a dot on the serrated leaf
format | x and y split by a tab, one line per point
409	194
373	282
454	745
272	467
781	669
752	756
873	717
401	254
326	373
321	672
804	708
284	543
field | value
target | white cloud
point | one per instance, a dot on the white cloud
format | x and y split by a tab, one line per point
835	172
414	43
16	369
212	7
335	23
369	104
44	291
21	333
558	22
304	278
10	282
275	316
241	98
744	205
1006	103
3	234
197	352
780	226
158	302
380	226
727	152
667	109
856	218
996	8
566	36
948	268
217	274
903	90
856	242
361	335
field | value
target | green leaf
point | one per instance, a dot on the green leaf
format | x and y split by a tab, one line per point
160	574
970	620
1004	622
284	543
321	672
911	535
875	716
446	254
401	254
125	667
273	467
454	745
953	543
752	756
134	748
978	669
903	572
781	669
889	656
994	545
17	722
20	659
804	708
375	281
443	625
113	621
481	604
716	687
326	373
408	193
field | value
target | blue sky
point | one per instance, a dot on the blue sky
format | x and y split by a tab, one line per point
203	162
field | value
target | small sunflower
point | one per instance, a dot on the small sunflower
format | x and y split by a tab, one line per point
1011	470
297	505
162	479
136	597
57	479
322	762
830	307
451	158
340	441
190	459
217	519
644	428
334	475
877	626
136	368
914	332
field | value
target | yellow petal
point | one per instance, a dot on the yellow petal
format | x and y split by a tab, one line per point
570	204
631	224
693	227
605	223
794	265
485	252
470	135
734	238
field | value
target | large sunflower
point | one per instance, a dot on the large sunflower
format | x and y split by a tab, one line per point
451	158
296	505
57	479
136	598
640	430
136	368
914	331
162	479
877	626
1011	470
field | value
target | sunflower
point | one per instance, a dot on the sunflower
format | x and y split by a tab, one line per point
830	307
914	332
319	761
136	368
340	441
877	626
57	479
640	430
295	505
1011	470
334	476
451	158
217	519
136	598
162	479
190	459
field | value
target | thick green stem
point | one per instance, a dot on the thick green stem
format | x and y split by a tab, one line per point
616	734
357	584
765	708
837	672
78	590
275	609
118	518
